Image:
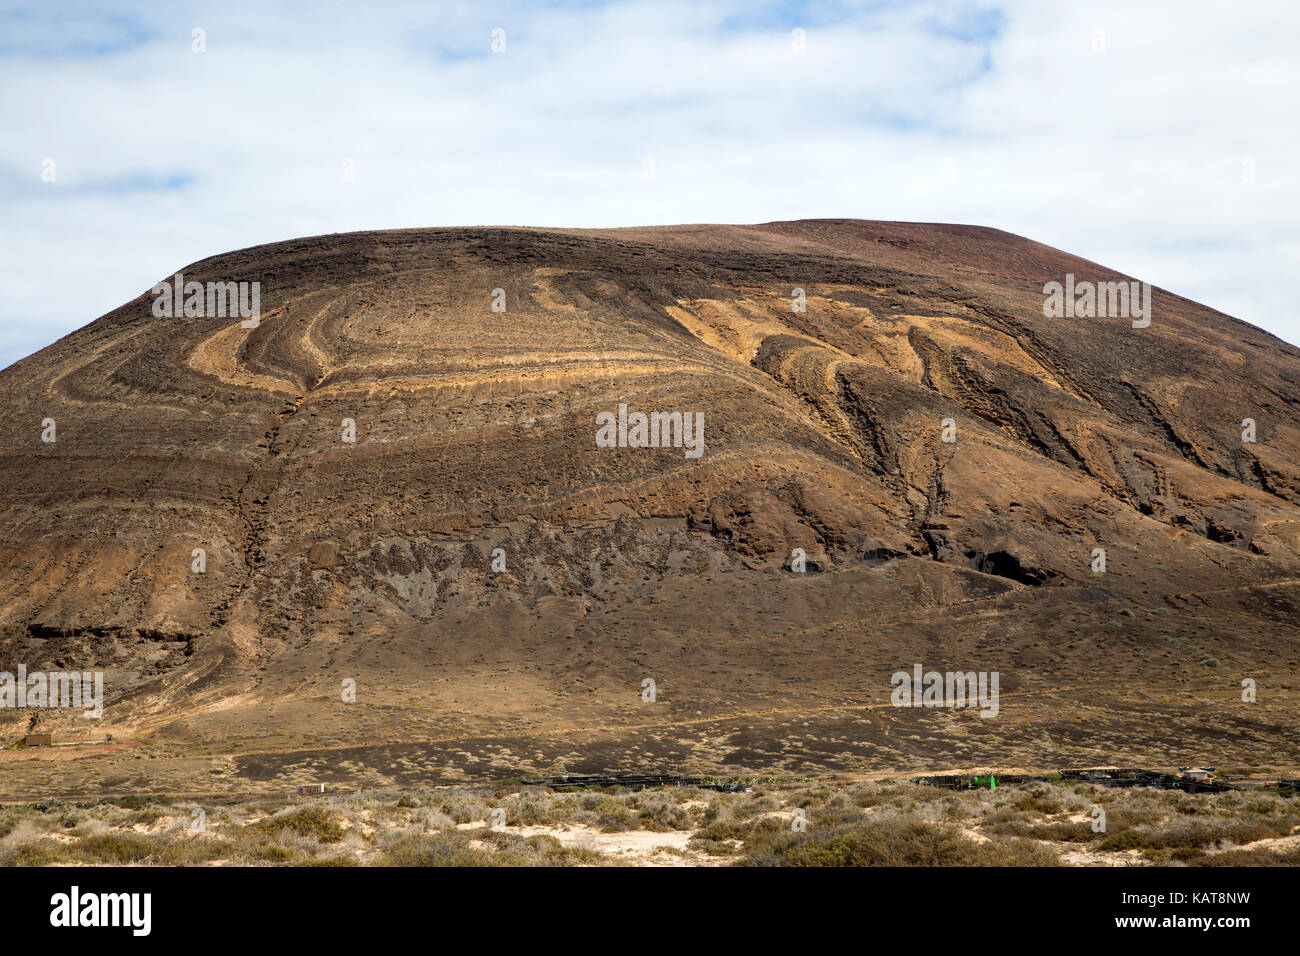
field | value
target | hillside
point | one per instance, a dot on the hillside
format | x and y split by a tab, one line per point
823	430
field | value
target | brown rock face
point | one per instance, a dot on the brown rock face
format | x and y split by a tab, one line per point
829	360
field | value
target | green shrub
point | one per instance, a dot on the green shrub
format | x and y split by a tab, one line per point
118	847
311	820
1122	840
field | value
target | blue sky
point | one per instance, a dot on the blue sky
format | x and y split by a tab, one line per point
1155	138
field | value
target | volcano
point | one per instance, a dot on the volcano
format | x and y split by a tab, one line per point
435	515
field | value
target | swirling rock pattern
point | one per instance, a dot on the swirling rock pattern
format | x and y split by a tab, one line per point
475	430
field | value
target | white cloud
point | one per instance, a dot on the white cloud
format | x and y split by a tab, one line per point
953	112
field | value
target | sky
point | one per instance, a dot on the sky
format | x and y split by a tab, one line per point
1159	139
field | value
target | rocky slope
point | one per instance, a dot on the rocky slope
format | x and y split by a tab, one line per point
475	430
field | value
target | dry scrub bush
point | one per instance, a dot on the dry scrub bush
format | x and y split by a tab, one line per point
892	841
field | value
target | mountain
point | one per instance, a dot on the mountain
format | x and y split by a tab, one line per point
892	399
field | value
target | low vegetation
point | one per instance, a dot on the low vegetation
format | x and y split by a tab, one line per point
774	824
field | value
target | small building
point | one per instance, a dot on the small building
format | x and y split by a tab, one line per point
1199	774
38	740
311	790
